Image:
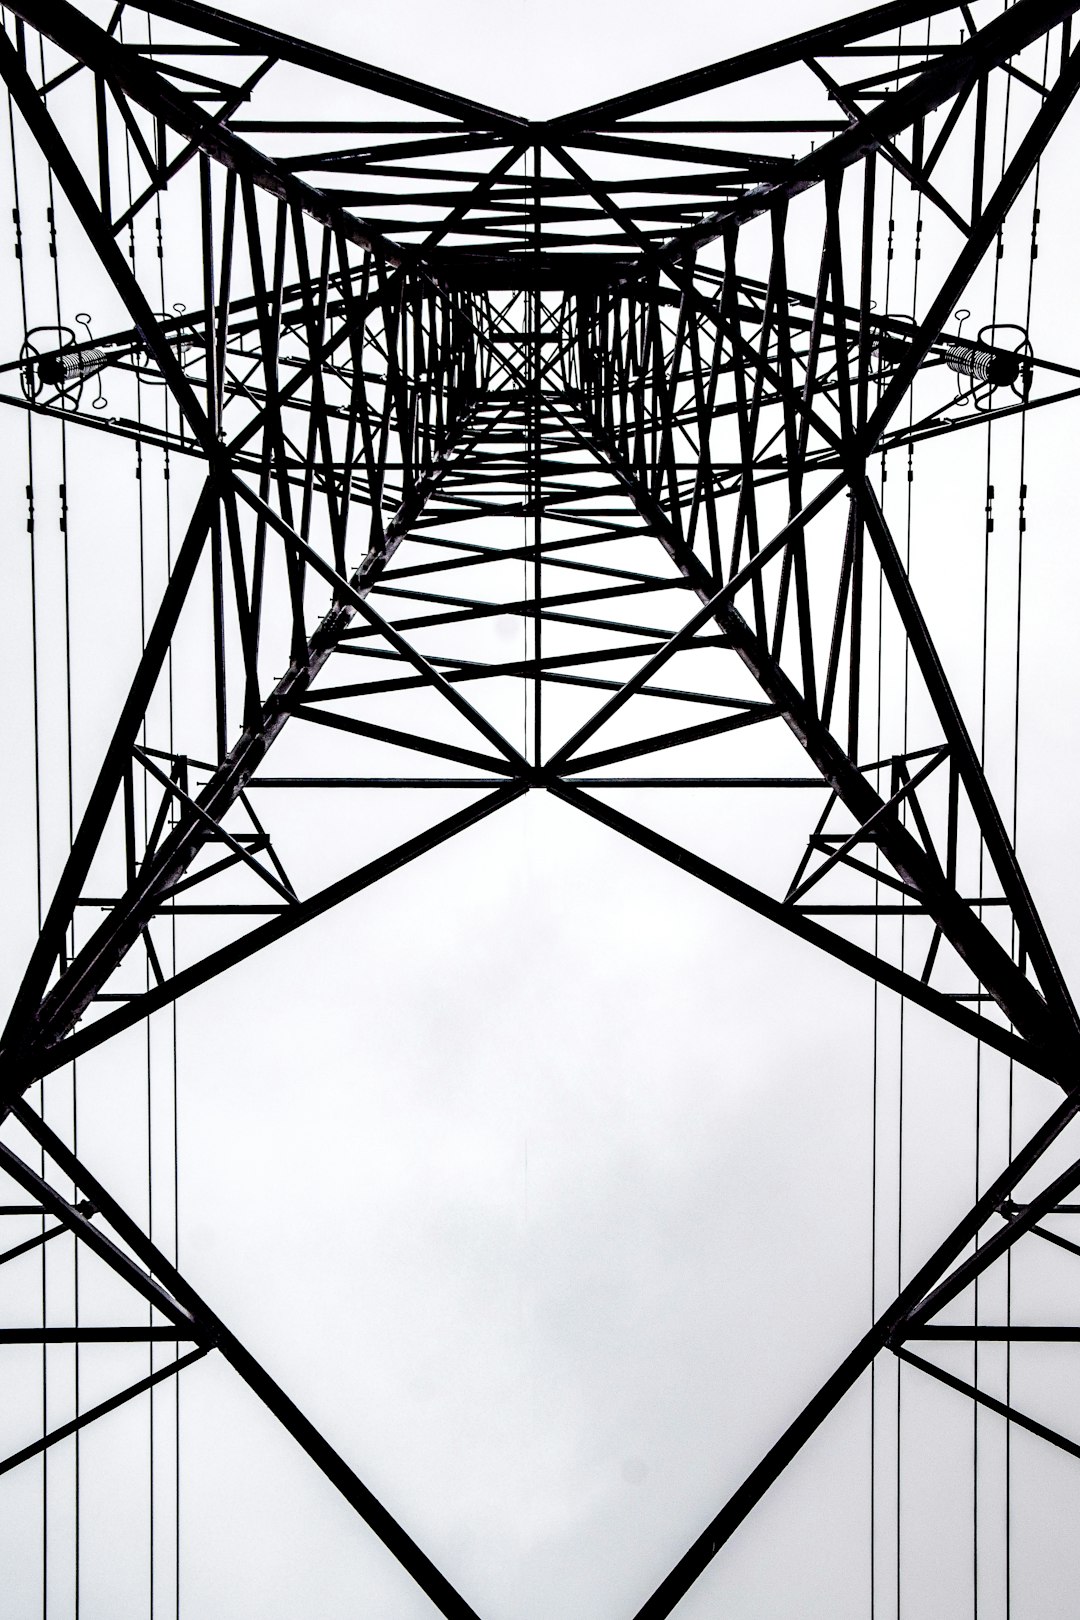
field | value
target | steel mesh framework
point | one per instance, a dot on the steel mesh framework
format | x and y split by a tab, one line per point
628	379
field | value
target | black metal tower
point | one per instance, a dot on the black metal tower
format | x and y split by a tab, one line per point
630	380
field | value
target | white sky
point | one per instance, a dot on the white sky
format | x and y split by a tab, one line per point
539	1174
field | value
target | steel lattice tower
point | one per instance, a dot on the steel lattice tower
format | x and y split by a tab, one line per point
629	379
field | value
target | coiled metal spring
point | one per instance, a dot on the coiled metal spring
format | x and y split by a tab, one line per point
58	370
983	364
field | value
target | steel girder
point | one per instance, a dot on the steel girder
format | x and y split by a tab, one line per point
386	336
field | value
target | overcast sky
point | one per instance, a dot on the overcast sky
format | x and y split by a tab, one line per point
539	1174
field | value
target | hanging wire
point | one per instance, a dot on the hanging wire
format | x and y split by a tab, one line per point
988	530
529	497
1021	534
905	743
145	812
876	1074
35	689
174	1066
69	809
175	1127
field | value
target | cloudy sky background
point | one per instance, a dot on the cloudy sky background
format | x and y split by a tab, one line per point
540	1175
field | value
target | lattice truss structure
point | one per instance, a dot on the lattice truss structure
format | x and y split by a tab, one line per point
459	412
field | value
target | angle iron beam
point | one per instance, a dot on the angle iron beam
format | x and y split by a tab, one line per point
764	59
798	922
92	1413
982	1398
989	960
764	1475
394	1537
287	48
47	1058
76	34
1001	38
89	969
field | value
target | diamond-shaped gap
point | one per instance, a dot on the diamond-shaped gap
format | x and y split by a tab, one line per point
453	1058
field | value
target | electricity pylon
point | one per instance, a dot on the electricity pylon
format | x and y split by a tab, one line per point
609	377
